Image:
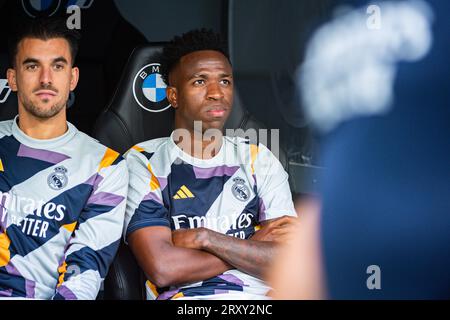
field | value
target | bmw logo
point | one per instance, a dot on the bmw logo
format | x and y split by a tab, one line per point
41	8
149	89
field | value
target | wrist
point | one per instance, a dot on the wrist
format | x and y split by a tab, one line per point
204	238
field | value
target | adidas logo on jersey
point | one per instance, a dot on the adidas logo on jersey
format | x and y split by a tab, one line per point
183	193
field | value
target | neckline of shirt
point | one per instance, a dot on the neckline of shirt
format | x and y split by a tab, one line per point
23	138
217	159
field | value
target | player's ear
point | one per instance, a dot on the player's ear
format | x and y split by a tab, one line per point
75	75
172	94
12	82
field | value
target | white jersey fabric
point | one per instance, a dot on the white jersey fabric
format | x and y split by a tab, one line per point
231	193
62	205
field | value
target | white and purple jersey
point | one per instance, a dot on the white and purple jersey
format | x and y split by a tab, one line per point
62	204
231	193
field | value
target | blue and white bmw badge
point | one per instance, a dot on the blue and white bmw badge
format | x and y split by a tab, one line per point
149	89
41	8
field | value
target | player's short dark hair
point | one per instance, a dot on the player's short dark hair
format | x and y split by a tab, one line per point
43	29
194	40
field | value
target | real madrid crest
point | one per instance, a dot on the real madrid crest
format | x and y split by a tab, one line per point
149	89
240	190
58	180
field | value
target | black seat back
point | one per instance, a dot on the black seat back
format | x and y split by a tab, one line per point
127	119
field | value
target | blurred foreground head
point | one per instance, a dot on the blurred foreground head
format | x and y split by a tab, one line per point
378	93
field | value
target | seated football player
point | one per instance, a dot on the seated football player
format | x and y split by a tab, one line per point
206	213
62	194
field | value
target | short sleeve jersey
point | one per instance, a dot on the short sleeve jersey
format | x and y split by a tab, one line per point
242	185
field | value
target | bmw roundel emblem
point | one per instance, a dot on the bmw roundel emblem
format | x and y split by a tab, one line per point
149	89
40	8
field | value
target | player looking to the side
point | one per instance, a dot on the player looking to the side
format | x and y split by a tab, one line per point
204	216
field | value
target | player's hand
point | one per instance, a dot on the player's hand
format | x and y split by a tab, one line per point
277	230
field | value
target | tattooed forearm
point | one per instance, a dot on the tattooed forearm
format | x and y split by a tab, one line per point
249	256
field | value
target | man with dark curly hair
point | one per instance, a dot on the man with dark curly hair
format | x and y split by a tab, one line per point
206	212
